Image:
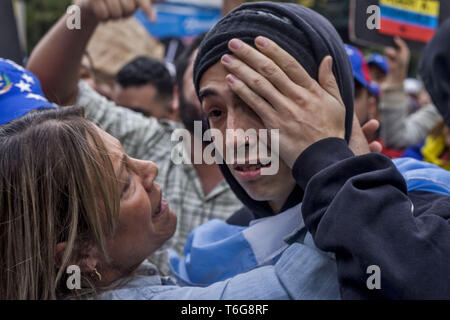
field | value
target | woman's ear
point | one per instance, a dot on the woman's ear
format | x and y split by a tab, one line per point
86	259
60	249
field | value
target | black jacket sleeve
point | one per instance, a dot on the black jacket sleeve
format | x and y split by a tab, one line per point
359	208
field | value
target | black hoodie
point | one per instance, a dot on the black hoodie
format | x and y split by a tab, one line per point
435	70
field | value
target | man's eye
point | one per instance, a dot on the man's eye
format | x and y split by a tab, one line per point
214	114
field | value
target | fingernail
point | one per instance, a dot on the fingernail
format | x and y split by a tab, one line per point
261	41
235	44
330	64
230	79
226	58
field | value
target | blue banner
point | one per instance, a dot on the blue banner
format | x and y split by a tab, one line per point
180	20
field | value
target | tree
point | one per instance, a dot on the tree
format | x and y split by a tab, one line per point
41	15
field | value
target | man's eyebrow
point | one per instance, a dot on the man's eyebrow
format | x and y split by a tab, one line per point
207	92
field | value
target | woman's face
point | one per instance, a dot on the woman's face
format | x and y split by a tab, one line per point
145	221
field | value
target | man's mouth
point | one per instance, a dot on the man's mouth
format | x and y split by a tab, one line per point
248	172
250	167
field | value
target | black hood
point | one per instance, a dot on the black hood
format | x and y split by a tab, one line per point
305	34
435	70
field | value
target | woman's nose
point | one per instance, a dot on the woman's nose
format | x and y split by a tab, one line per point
148	171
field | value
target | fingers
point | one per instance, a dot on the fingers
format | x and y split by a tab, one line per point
115	9
100	10
261	107
401	44
370	128
358	142
376	147
285	61
147	7
327	80
262	65
255	81
390	53
128	7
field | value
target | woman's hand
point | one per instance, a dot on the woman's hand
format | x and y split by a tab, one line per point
284	96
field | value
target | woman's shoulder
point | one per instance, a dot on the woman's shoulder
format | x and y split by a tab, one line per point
144	284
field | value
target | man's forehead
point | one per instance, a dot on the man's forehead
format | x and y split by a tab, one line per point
213	80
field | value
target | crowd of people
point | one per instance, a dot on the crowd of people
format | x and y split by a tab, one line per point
88	179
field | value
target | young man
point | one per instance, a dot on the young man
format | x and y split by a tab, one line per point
196	193
358	207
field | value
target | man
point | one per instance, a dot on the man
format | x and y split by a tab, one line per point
367	95
358	207
401	129
196	193
365	102
378	67
145	86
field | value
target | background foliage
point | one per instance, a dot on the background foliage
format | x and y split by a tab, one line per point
41	15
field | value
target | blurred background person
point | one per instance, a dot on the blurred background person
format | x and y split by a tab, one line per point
435	149
418	97
434	72
378	67
146	86
367	96
399	128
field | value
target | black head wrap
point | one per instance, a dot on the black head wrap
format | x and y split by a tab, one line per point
434	69
304	34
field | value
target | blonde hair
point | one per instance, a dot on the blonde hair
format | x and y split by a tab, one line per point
57	184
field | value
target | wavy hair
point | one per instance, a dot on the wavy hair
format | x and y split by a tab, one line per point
57	184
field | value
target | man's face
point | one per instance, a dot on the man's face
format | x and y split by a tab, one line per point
143	99
225	110
361	103
376	74
190	109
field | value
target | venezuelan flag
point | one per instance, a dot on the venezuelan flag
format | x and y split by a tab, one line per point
410	19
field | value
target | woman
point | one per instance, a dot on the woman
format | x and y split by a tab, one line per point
71	196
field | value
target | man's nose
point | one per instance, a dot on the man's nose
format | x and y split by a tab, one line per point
241	131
